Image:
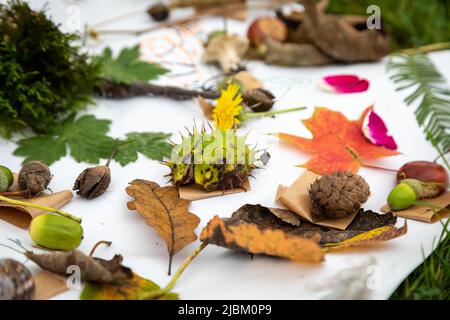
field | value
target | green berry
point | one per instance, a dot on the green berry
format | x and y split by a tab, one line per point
401	197
6	178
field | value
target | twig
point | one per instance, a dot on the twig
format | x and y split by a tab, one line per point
378	168
158	293
38	206
209	12
428	48
111	89
108	243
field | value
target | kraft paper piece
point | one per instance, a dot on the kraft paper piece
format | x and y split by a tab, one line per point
296	199
423	213
48	285
194	192
21	216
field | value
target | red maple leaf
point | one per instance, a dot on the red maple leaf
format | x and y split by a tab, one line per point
338	144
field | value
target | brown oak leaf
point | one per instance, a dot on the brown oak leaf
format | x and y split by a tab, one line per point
339	39
165	211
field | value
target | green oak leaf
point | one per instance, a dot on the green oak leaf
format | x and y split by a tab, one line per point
153	145
127	67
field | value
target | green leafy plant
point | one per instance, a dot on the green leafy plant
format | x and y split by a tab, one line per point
410	23
127	66
429	91
86	139
46	80
431	280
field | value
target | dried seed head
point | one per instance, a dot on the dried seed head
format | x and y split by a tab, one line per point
159	12
34	177
259	100
16	281
93	182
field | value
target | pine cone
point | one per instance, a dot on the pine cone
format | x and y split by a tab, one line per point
337	195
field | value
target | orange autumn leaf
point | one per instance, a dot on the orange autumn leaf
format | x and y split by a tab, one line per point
338	144
271	241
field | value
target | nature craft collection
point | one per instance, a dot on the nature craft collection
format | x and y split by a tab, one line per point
322	210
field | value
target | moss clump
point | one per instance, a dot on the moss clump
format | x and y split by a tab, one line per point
43	76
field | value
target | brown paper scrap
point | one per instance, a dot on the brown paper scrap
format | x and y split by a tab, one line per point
193	192
22	216
48	285
296	199
423	213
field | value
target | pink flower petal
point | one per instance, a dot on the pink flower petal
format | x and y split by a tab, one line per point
345	83
375	131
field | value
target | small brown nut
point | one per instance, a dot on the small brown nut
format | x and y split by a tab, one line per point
259	100
34	177
93	182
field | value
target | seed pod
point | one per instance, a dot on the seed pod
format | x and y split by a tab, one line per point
34	177
6	178
338	195
93	182
159	12
16	281
259	100
425	171
56	232
424	189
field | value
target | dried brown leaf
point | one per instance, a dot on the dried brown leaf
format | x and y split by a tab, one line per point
92	269
165	211
286	215
339	39
239	235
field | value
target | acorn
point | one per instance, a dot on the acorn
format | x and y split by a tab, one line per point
16	281
56	232
6	178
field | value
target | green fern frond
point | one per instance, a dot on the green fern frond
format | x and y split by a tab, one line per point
429	91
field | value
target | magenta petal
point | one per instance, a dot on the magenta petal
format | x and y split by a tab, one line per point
376	131
345	83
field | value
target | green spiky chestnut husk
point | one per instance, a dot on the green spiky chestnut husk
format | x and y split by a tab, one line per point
212	170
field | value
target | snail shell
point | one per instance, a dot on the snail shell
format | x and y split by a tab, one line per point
16	281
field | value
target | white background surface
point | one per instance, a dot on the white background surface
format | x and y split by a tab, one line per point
218	273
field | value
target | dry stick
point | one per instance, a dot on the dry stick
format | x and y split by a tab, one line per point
196	16
158	293
378	168
40	207
111	89
108	243
428	48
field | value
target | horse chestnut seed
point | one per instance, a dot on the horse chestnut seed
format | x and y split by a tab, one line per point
425	171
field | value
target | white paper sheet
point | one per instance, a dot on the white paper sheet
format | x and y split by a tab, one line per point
218	273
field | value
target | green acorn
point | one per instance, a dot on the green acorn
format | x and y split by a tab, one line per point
213	160
6	178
